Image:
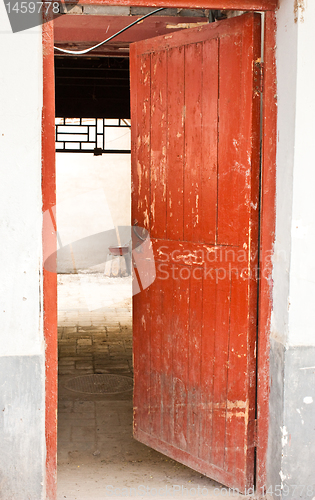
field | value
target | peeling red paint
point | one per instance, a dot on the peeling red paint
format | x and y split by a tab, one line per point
267	232
195	342
49	245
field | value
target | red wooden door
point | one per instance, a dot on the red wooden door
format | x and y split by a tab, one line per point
195	174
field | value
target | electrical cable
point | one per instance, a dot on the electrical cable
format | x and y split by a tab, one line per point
85	51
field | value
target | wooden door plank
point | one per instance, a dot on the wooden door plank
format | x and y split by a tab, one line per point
175	146
209	147
194	362
167	407
229	138
133	62
158	144
220	377
140	211
251	87
180	352
193	141
141	143
141	360
249	147
207	366
156	335
237	416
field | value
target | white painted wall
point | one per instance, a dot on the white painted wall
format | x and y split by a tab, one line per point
22	369
293	320
302	273
20	189
286	54
93	195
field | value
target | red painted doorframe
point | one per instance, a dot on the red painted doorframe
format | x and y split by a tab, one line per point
267	237
267	232
258	5
49	247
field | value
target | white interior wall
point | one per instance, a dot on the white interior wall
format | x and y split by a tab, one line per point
93	195
302	271
22	360
20	189
294	268
291	440
286	54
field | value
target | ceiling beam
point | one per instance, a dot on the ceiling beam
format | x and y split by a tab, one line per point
84	28
263	5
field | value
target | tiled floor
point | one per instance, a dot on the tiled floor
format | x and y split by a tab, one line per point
92	341
96	450
92	349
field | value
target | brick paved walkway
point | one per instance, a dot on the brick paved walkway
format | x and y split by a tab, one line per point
92	341
95	443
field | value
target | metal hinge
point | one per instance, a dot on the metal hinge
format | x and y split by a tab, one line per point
259	77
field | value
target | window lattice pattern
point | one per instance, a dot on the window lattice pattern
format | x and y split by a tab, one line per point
92	135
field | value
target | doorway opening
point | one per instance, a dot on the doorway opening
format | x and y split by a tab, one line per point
96	450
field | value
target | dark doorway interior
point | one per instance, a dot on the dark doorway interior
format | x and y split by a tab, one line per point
92	87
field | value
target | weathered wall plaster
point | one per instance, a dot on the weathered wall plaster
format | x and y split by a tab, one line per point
93	195
292	360
20	190
302	273
276	412
22	406
286	56
22	428
298	463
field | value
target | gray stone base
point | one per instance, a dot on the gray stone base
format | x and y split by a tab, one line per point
291	454
22	428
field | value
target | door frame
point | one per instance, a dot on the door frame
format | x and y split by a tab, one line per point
267	225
